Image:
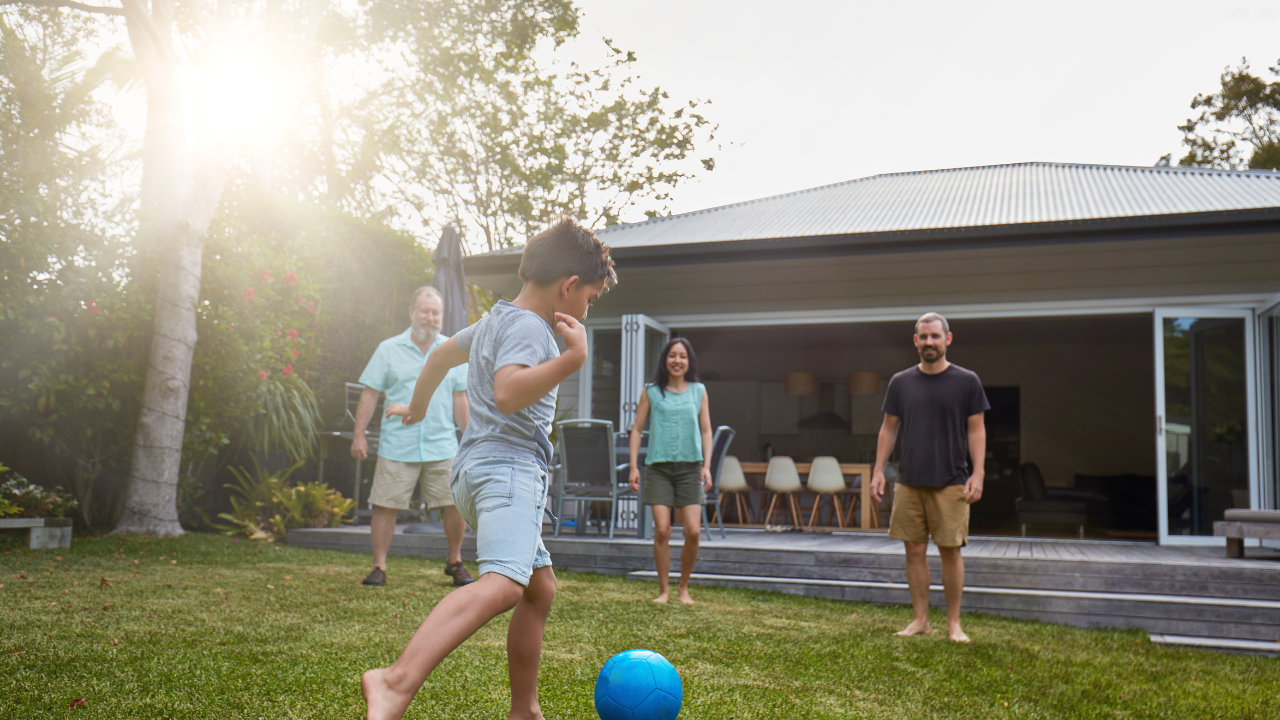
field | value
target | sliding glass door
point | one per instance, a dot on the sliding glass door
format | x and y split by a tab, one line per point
1205	419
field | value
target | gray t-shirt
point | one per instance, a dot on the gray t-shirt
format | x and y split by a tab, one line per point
507	336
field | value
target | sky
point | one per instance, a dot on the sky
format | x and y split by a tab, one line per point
808	93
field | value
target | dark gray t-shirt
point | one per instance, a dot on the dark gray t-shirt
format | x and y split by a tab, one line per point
935	411
507	336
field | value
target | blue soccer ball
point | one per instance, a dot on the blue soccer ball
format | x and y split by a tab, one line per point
638	685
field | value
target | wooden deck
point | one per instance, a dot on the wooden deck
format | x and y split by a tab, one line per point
1171	591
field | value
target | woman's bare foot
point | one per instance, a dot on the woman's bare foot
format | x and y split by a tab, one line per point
917	627
685	598
662	598
955	634
381	701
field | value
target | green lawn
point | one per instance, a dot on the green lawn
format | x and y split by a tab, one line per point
202	627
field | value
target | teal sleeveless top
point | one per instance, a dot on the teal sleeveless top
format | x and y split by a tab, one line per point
674	434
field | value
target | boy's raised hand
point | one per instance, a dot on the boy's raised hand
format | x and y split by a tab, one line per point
573	332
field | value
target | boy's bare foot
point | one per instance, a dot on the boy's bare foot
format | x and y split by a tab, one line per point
955	634
381	701
537	715
662	598
916	627
685	598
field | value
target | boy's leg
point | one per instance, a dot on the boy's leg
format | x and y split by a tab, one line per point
388	691
524	643
691	516
662	550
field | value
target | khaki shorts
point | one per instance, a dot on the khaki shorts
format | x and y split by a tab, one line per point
393	483
919	512
673	484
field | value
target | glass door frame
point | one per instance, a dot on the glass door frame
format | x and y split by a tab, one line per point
1251	412
634	355
1268	359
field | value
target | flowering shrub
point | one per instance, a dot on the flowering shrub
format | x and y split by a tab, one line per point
20	498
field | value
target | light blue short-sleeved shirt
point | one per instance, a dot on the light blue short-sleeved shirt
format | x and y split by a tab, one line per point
394	370
508	335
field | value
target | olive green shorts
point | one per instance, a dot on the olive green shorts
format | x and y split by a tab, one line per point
673	484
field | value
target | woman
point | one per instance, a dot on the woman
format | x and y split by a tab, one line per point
678	466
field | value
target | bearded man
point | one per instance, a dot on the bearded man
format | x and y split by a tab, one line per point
420	454
940	407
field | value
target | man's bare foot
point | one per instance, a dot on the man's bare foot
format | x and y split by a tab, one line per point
916	627
381	701
662	598
534	715
685	598
955	634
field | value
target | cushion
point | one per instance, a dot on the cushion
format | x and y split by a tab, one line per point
1258	516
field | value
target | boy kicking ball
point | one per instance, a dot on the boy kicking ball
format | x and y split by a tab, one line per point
500	477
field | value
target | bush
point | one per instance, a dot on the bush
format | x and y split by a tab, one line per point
267	506
20	498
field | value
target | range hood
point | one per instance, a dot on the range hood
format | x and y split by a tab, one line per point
826	417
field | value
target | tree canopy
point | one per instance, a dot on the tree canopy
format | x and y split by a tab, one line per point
1238	127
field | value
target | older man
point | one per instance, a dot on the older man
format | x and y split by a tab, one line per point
421	454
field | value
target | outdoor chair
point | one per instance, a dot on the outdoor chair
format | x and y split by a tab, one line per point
720	442
588	470
346	431
628	498
734	482
1040	505
782	478
826	479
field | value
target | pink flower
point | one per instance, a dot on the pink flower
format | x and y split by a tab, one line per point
311	306
265	274
295	353
290	278
276	330
288	370
262	375
302	300
91	308
292	335
248	294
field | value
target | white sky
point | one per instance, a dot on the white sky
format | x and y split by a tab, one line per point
809	93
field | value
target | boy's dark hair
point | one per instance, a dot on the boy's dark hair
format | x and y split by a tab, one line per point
566	249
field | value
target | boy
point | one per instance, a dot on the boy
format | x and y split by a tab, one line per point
500	477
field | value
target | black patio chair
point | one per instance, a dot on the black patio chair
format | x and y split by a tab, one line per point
588	470
720	442
622	448
1040	505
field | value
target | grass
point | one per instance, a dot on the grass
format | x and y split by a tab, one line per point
204	627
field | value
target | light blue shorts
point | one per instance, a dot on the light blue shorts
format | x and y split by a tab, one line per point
502	499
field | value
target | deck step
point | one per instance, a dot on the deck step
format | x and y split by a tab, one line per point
1226	617
1271	649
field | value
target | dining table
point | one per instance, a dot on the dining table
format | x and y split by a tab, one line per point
867	519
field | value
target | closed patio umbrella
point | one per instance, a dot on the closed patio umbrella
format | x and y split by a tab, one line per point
451	281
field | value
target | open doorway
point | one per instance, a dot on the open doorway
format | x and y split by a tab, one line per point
1074	395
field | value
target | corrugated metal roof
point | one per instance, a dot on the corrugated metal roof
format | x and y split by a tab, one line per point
994	195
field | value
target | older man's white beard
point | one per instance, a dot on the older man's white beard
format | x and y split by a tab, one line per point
425	334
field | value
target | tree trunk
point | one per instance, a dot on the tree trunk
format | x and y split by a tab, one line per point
176	209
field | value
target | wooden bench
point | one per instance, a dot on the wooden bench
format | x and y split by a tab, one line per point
1237	525
43	533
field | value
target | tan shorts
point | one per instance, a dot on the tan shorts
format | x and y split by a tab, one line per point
393	483
919	512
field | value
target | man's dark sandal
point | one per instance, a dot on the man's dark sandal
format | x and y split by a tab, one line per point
459	573
378	577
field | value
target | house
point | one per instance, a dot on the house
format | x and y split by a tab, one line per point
1125	321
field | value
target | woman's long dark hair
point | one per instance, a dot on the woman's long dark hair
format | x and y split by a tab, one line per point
661	377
